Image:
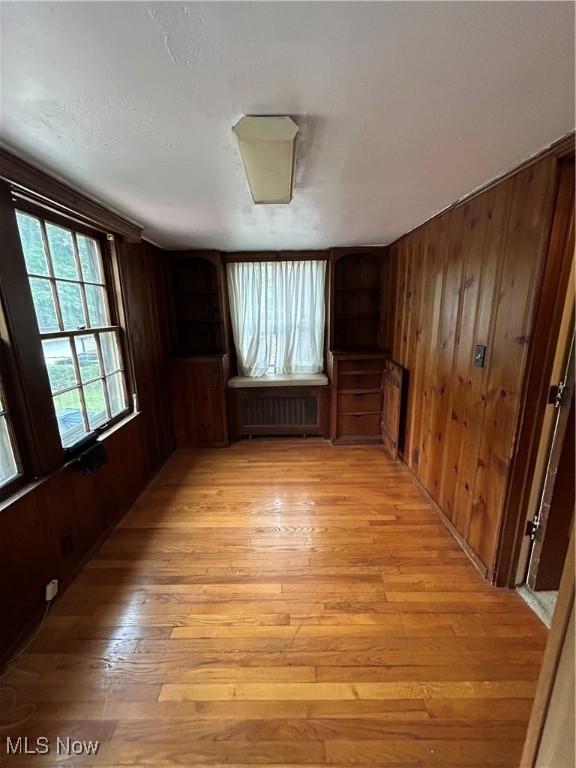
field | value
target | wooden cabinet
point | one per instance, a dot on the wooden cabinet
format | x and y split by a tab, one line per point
199	400
357	381
394	402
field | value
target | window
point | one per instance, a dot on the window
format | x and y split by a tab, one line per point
9	465
277	311
80	340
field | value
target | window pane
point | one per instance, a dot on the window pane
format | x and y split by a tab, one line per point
44	304
60	364
62	252
71	306
88	359
90	259
32	244
110	352
95	404
97	306
69	414
116	393
8	466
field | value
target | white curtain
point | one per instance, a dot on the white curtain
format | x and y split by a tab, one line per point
277	310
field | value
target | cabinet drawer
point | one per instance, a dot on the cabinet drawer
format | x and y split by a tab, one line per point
345	366
360	424
359	403
360	380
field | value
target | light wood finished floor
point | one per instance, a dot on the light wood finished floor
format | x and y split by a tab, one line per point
283	603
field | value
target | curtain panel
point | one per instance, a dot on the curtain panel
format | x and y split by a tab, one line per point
277	311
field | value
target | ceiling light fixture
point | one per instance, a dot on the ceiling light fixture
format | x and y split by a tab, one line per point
267	148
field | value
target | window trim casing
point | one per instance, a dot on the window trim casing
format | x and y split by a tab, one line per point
114	298
13	411
29	393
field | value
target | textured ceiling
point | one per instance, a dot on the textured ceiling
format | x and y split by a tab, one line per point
402	108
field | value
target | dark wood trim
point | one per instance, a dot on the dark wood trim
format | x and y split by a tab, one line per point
117	298
53	214
239	256
546	326
345	250
209	255
551	662
45	189
16	413
561	149
22	336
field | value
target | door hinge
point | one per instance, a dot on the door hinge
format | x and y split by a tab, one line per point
532	528
415	456
556	395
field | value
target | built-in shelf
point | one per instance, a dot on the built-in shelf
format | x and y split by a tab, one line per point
199	305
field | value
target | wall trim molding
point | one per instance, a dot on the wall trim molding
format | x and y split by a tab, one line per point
561	148
45	189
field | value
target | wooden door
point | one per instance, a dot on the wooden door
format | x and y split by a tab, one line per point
554	519
392	406
198	403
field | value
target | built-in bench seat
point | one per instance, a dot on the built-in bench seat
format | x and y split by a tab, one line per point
279	404
279	380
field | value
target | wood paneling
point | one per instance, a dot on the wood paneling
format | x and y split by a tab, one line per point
50	530
144	271
198	395
283	602
469	277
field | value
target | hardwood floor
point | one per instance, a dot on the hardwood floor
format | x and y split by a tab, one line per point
281	602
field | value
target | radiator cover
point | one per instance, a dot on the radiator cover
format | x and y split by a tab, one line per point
280	411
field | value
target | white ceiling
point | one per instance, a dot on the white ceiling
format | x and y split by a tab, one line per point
402	108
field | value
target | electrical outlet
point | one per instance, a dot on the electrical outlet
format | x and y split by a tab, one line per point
479	355
51	590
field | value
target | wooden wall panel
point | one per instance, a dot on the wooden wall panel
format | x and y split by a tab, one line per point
145	284
50	529
469	277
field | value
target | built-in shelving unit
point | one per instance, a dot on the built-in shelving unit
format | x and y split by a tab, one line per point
199	305
201	348
355	299
355	358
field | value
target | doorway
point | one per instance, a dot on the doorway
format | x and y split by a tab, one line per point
550	525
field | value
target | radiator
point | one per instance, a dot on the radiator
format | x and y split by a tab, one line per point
279	411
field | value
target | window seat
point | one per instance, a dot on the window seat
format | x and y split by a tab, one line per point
279	380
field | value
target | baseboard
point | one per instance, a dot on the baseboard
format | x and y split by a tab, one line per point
468	551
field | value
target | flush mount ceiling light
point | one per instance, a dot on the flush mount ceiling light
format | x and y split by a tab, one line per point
267	148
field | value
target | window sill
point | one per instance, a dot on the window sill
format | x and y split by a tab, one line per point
279	380
27	488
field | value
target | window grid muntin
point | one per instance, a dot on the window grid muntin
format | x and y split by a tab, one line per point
86	330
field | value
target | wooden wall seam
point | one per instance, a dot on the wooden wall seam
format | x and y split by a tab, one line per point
469	277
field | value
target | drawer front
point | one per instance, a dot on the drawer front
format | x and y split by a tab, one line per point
359	403
360	365
360	380
360	424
